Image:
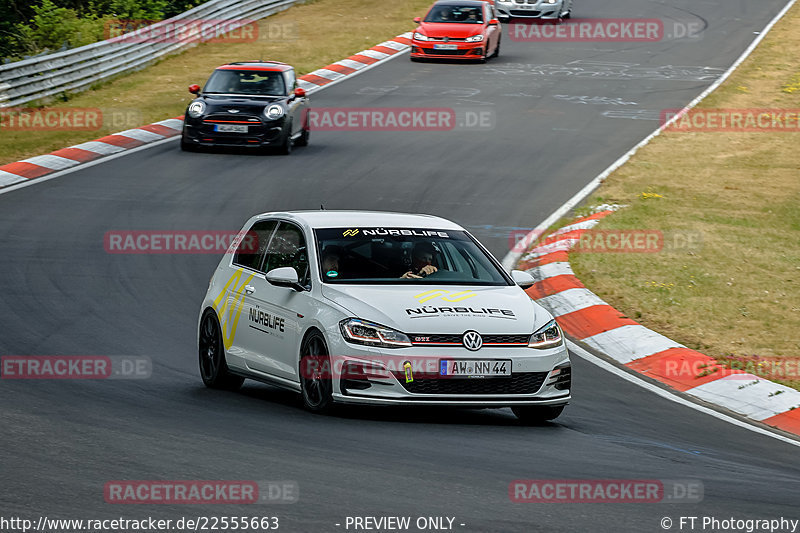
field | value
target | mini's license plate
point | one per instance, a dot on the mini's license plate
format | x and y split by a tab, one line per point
230	128
445	47
481	368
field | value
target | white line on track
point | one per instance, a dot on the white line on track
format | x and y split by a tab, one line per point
655	389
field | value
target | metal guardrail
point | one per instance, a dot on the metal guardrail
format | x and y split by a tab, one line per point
77	69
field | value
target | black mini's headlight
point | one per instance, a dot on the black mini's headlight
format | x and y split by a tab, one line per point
274	112
197	108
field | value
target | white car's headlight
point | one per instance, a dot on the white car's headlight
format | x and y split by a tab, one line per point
550	1
475	38
274	111
197	108
371	334
548	336
420	36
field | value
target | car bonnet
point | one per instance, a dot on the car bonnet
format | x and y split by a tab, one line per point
448	309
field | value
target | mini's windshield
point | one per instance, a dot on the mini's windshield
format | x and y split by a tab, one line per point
256	82
457	14
404	255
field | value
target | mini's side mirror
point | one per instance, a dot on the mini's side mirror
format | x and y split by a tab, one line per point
417	19
285	277
494	22
523	279
194	89
300	92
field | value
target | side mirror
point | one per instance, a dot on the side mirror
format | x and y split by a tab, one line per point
194	89
523	279
494	22
300	92
285	277
417	19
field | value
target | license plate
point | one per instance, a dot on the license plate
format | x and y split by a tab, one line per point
445	47
230	128
480	368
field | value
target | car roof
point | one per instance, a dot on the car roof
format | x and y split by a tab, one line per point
350	219
270	66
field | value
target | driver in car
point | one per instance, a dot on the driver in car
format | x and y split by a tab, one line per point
421	262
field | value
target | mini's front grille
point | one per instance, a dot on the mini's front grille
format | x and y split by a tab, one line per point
520	383
235	118
455	339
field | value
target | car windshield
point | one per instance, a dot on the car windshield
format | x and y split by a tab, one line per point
257	82
404	256
457	14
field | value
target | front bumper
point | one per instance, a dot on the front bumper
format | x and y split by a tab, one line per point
529	10
367	376
464	50
201	133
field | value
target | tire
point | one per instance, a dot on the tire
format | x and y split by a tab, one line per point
286	146
187	147
304	137
211	356
316	384
537	414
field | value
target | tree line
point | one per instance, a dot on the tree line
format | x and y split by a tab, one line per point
46	26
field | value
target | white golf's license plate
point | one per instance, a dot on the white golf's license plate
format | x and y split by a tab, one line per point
480	368
230	128
445	47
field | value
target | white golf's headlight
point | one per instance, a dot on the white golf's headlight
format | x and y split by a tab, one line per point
548	336
362	332
475	38
420	36
274	111
550	1
197	108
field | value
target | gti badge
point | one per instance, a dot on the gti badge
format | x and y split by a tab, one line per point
472	340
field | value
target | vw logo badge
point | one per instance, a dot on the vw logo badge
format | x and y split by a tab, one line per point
472	340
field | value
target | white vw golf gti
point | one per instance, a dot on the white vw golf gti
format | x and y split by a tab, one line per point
379	308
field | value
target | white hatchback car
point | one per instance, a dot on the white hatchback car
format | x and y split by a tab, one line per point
533	9
379	308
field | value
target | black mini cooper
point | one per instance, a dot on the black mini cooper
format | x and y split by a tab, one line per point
254	103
